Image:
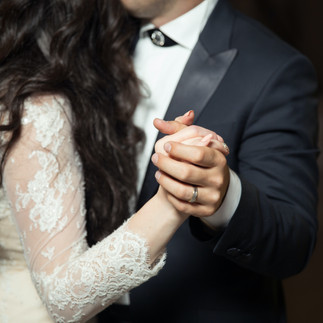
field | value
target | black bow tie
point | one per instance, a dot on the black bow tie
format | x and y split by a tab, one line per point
160	39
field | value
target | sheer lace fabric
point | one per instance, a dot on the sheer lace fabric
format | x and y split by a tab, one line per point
44	187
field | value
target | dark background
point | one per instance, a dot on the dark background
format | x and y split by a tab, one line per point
300	23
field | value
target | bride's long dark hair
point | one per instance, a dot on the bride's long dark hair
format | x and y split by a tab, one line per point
80	49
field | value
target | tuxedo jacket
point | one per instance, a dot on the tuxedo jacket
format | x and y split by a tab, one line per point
258	93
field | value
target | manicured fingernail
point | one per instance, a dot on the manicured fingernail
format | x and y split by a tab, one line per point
188	113
157	175
225	146
167	147
154	158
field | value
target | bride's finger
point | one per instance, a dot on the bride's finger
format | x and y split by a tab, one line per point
187	118
168	127
173	126
221	146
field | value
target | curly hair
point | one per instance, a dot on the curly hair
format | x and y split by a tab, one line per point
80	49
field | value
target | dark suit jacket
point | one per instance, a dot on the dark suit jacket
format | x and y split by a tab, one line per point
258	94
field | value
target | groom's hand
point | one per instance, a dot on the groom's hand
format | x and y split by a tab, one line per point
183	166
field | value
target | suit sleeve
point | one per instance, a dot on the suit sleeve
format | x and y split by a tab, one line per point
273	230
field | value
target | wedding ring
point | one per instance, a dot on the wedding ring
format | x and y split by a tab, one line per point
194	196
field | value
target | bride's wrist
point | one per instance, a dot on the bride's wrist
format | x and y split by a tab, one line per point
168	209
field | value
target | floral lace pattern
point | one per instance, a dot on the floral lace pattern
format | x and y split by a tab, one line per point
44	184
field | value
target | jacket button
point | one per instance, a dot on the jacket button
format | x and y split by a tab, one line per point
234	252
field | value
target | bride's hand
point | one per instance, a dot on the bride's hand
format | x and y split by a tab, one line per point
173	126
195	133
193	136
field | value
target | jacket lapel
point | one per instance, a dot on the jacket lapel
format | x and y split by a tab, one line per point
203	73
200	79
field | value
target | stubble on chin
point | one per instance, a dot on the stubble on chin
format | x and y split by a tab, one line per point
146	9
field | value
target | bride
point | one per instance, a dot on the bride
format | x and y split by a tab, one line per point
68	91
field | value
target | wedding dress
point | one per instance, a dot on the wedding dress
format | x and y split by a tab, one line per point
44	258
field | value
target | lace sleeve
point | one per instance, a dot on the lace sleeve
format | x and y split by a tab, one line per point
43	182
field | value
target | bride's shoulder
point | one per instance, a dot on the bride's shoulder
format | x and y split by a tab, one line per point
46	102
43	107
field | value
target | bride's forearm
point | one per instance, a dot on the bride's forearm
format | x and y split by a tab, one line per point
156	221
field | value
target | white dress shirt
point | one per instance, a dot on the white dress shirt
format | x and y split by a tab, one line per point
160	69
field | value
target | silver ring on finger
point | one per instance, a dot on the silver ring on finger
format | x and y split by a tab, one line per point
194	195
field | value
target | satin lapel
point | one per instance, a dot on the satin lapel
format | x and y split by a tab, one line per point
207	65
200	79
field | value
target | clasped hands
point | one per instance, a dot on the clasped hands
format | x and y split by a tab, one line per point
190	156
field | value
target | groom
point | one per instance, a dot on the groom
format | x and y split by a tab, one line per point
254	220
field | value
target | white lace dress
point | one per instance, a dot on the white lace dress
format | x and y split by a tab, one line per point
42	205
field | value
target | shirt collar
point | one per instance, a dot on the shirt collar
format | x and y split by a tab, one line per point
185	29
